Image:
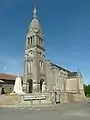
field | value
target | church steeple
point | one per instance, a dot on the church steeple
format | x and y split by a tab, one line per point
34	54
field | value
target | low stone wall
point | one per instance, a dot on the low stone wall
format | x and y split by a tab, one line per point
8	99
46	99
74	97
35	99
71	97
18	100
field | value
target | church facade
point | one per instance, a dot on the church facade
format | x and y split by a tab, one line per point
40	74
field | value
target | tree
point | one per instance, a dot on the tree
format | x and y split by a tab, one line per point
87	90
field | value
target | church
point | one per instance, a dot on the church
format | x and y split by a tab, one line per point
40	74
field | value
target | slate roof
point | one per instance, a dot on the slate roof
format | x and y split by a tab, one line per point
7	76
72	74
61	68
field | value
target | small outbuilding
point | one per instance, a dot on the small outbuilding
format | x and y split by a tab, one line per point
7	82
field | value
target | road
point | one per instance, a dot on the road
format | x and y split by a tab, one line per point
74	111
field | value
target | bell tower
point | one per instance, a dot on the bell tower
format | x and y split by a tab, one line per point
34	65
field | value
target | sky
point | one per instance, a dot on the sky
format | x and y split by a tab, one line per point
66	28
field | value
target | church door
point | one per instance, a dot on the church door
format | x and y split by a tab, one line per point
30	86
57	97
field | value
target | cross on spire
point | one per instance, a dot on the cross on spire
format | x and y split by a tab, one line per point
35	10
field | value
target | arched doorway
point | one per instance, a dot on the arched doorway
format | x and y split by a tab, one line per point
30	81
41	83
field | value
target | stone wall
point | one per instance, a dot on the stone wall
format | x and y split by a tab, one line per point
35	99
8	88
74	97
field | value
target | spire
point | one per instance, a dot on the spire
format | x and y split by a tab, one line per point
35	10
35	24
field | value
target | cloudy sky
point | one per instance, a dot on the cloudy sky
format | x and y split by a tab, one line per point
66	29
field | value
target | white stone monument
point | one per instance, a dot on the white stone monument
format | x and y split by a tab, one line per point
18	86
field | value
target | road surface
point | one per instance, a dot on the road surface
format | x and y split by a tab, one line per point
74	111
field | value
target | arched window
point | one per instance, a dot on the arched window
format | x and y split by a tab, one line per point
41	66
31	66
28	40
31	40
64	80
39	41
57	81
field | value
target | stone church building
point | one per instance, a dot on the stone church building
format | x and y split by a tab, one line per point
41	75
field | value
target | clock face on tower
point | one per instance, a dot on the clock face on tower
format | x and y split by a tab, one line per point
36	30
30	53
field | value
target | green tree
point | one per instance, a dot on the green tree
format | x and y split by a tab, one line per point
87	90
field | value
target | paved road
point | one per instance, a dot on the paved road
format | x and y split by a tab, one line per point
74	111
